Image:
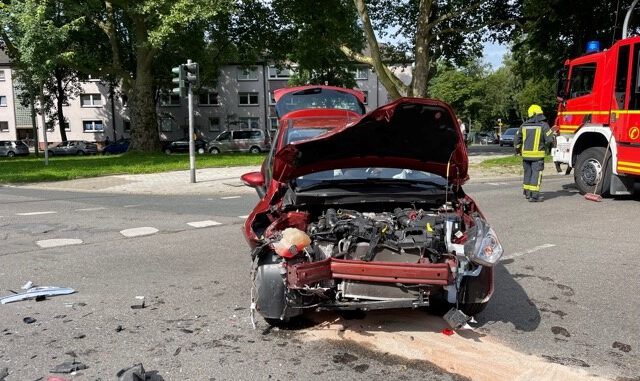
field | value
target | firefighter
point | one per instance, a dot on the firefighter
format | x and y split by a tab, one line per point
531	141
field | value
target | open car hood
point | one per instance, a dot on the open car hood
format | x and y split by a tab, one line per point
413	133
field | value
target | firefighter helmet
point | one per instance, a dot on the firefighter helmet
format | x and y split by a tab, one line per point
533	110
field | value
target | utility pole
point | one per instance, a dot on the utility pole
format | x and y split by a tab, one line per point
44	129
187	76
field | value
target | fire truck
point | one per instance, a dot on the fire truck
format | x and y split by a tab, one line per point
598	122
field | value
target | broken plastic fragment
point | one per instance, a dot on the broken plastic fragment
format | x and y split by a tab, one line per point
27	285
448	331
68	367
134	373
29	320
35	292
456	318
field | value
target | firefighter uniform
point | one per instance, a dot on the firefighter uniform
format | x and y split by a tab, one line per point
531	141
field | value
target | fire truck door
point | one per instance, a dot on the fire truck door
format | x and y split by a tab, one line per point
626	124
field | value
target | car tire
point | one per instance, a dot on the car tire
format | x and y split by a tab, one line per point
51	153
255	150
271	293
167	151
201	150
588	166
214	151
80	153
11	154
501	144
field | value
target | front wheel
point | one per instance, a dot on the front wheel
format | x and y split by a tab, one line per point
167	151
593	171
214	151
255	150
80	153
201	150
11	154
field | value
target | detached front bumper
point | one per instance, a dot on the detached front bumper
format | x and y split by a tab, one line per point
304	274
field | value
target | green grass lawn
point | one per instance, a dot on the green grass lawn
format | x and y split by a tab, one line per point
32	169
507	161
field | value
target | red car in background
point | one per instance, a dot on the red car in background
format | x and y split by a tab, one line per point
362	212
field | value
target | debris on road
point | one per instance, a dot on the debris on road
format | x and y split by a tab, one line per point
35	292
29	320
448	331
27	285
626	348
119	328
456	318
134	373
138	306
4	372
69	367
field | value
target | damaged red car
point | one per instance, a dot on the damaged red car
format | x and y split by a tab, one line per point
363	212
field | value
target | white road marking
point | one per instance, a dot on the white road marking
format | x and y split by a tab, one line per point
47	243
229	197
137	232
244	217
35	213
90	209
203	224
497	184
131	206
532	250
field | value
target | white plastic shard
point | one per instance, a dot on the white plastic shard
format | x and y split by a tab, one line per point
35	292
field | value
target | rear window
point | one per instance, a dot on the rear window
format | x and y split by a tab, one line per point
299	134
318	98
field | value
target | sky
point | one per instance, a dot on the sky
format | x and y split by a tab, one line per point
493	54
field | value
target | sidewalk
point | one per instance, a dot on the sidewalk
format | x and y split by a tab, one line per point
220	181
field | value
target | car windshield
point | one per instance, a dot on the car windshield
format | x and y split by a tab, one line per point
336	176
509	132
318	98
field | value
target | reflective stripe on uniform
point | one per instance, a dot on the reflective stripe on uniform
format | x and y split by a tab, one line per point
534	152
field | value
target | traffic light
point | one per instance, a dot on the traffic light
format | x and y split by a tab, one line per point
180	80
192	72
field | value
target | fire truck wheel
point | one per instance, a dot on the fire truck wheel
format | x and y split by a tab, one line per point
590	172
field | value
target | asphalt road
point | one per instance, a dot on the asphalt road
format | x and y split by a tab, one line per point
566	292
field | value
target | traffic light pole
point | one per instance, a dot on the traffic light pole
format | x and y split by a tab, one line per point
192	143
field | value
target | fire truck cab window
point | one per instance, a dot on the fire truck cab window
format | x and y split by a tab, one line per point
582	77
634	100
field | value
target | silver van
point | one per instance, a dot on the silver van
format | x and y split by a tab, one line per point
11	148
254	141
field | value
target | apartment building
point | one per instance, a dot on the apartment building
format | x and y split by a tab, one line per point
242	99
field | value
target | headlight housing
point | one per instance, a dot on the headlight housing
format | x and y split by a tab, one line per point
483	247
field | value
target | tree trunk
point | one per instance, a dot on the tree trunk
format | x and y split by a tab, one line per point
144	126
60	97
420	74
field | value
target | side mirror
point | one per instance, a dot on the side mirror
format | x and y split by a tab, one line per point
253	179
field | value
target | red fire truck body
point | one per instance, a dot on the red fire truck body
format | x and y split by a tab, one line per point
599	118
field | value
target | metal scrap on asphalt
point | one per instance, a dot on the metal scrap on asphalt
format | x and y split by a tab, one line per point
35	292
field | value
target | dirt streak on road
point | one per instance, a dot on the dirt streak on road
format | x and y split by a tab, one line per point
469	353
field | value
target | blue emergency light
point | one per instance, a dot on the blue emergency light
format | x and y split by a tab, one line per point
593	47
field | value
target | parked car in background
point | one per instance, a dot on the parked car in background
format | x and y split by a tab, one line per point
183	146
11	148
488	138
508	137
119	146
73	147
254	141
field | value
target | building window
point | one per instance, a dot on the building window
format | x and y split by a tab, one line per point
170	100
2	78
366	97
126	125
125	100
92	126
4	126
90	100
166	124
272	99
208	98
275	73
362	73
249	122
248	99
3	101
214	124
247	74
66	125
273	123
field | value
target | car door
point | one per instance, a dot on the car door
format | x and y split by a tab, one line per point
240	140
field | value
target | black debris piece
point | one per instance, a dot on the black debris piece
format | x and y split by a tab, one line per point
80	336
119	328
184	330
138	306
68	367
4	372
41	298
29	320
456	318
134	373
177	352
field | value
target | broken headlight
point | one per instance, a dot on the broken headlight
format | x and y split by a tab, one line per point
483	246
